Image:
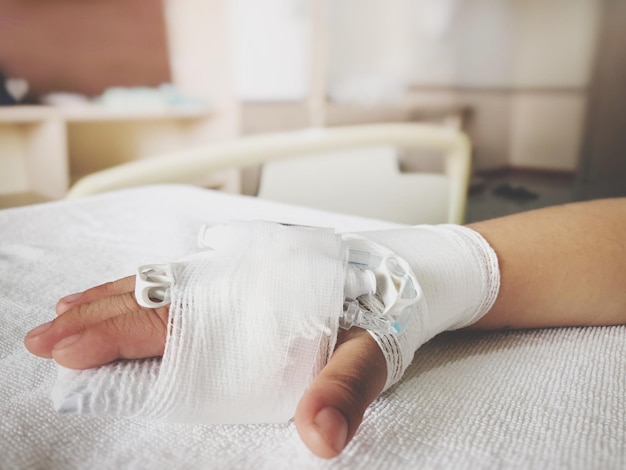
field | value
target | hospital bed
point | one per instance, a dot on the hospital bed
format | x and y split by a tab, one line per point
352	169
551	398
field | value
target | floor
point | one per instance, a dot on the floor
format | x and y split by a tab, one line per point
549	190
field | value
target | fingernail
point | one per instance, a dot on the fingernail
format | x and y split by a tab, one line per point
64	304
68	299
40	329
333	427
66	342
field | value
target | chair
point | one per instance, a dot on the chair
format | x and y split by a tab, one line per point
346	169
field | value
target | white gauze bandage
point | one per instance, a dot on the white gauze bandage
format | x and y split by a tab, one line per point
458	276
255	317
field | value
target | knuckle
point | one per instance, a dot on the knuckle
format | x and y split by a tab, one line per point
144	323
112	288
71	322
119	325
137	334
357	375
128	302
108	288
84	312
353	391
158	318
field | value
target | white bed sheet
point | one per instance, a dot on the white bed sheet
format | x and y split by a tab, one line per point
534	399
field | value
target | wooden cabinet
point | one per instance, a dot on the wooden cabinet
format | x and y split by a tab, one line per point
44	149
33	155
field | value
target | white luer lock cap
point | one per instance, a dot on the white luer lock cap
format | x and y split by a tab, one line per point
255	317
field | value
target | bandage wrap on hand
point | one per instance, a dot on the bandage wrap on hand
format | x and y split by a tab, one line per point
254	318
250	329
458	274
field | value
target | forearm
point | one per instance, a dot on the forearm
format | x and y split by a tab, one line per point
559	266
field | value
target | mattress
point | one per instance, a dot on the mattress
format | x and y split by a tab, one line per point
505	399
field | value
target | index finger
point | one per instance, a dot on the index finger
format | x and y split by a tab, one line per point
108	289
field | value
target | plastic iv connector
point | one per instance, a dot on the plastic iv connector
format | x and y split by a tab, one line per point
152	285
386	285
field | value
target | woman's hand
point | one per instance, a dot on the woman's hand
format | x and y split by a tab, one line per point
105	323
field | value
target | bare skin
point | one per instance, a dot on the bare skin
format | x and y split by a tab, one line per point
560	266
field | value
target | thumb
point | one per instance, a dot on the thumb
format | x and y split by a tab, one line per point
332	408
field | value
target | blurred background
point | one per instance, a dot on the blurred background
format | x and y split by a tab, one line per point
539	86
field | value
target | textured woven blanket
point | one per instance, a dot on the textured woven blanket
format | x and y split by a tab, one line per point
533	399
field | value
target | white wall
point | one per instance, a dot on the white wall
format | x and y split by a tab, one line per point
546	130
505	43
270	49
369	58
554	42
489	125
480	31
198	36
522	65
